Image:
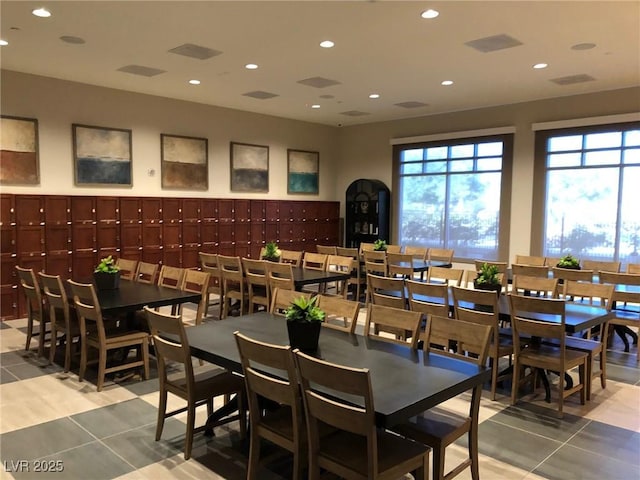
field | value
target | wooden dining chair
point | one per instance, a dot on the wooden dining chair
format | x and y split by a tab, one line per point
233	282
358	449
391	248
479	306
530	260
366	247
196	281
440	427
340	313
633	268
601	266
526	321
387	291
283	425
419	253
127	268
281	299
64	320
596	294
146	273
448	276
541	271
336	263
428	298
36	311
315	261
626	312
280	275
551	261
402	324
209	264
171	277
255	271
291	256
357	278
400	265
327	249
444	255
172	348
538	286
94	335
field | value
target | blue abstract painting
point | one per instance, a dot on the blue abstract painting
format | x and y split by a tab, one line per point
102	156
303	172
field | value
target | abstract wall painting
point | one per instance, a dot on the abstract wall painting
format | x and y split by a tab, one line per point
19	151
303	172
102	156
249	168
185	163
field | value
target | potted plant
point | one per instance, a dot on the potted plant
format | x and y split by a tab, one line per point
380	245
271	252
488	279
569	261
304	320
107	274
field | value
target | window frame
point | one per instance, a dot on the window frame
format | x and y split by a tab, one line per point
505	183
538	217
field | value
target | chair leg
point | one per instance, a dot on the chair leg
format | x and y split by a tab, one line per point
438	462
52	347
516	381
29	332
589	374
561	392
582	373
473	451
254	456
145	357
102	366
162	409
494	376
603	367
83	358
67	352
191	419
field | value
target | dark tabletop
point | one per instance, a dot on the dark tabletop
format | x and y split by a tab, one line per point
305	276
404	382
132	296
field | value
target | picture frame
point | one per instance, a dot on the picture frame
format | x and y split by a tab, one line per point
249	168
102	156
19	152
303	172
184	162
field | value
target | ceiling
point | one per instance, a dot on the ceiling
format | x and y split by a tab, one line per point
382	47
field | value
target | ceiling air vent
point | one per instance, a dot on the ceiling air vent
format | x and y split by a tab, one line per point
411	104
572	79
318	82
354	113
493	43
140	70
259	94
195	51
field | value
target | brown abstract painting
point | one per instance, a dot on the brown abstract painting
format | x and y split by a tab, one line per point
249	168
185	163
19	151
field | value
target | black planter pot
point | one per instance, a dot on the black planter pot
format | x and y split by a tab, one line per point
106	281
272	259
304	335
487	286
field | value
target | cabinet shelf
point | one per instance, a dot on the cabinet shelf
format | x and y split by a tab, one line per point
367	212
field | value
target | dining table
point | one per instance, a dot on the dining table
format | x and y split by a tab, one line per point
404	382
305	276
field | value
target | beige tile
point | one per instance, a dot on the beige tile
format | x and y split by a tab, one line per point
488	467
12	339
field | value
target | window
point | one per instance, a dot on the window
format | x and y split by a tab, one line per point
454	194
591	193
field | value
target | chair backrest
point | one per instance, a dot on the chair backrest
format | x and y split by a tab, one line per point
255	271
565	274
621	294
633	268
258	358
341	310
394	248
231	269
598	266
429	298
541	271
176	350
366	247
315	261
56	296
440	255
501	266
31	289
449	276
551	261
419	253
291	256
597	294
321	407
395	320
337	263
375	262
537	317
171	277
88	307
477	306
470	338
209	264
280	275
400	264
529	260
146	273
387	291
348	252
327	249
127	268
534	285
281	298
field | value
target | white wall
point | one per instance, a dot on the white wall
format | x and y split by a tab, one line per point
57	104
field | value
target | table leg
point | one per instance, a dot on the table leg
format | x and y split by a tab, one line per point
224	411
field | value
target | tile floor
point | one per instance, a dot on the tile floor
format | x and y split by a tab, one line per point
50	420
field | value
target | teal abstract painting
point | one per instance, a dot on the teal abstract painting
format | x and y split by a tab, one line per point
303	172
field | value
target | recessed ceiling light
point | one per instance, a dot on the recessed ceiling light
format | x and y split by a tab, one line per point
41	12
3	43
327	44
446	83
431	13
374	95
251	66
315	106
539	66
194	82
